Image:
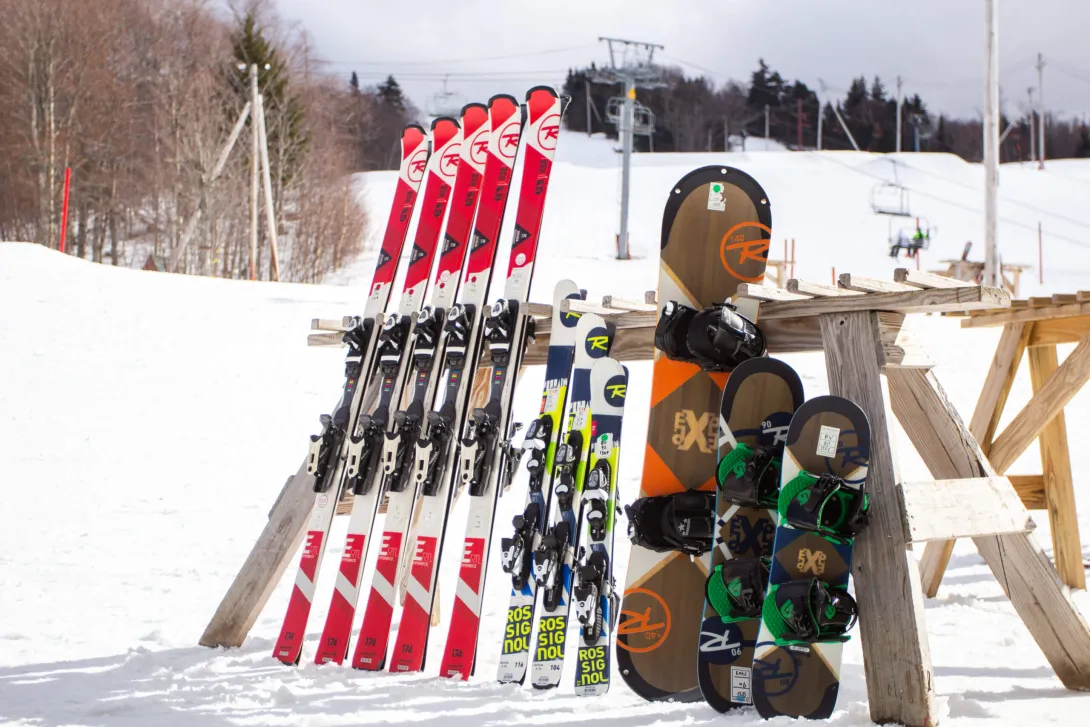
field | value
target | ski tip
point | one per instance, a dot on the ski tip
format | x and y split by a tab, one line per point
444	121
472	106
537	90
502	97
412	130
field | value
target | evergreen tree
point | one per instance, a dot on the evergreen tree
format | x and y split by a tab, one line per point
1082	149
354	82
389	92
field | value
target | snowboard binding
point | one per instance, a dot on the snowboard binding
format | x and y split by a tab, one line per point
683	522
716	338
591	587
805	612
750	477
516	555
825	505
736	589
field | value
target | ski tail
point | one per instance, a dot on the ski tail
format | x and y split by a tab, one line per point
594	593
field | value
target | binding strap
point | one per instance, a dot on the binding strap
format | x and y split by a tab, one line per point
736	589
825	505
749	477
804	612
682	522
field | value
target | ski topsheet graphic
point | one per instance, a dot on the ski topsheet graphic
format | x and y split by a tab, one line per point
326	459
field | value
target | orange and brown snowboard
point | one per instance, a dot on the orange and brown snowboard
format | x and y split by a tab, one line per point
715	235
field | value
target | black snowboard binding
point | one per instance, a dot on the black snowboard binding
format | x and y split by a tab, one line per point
750	477
716	338
591	586
547	560
825	505
803	612
736	589
681	522
517	552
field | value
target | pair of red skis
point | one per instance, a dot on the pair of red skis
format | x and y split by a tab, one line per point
412	454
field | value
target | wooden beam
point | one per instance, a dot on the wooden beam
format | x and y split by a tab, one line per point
896	655
321	324
325	339
614	302
1049	401
1059	330
1031	488
1024	315
910	301
1016	560
946	509
761	292
1058	484
920	279
817	290
871	285
618	317
264	567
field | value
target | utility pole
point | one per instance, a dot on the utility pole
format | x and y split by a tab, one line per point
1041	113
254	162
767	124
798	111
900	106
636	68
991	141
1032	136
586	88
821	121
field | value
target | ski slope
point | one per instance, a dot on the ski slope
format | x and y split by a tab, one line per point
148	421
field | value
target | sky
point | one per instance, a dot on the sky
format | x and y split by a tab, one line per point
507	46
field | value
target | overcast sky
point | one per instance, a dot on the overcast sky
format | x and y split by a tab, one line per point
937	46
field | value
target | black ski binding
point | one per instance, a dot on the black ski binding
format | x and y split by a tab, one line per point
825	505
534	447
591	586
596	495
804	612
736	589
681	522
716	338
547	560
750	477
517	552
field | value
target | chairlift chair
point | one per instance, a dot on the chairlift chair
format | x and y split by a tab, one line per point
888	198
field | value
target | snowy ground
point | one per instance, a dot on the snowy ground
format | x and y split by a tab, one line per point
147	422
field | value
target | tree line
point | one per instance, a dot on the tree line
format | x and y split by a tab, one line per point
138	98
692	113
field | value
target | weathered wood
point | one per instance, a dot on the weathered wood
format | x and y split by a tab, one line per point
817	290
1059	330
322	324
1031	488
269	558
1060	298
1024	315
618	317
651	296
615	302
1058	484
1082	295
325	339
1049	401
920	279
871	285
538	310
762	292
912	301
896	654
899	346
1016	560
1039	301
945	509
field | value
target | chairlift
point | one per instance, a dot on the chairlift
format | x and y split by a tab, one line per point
445	103
911	239
889	198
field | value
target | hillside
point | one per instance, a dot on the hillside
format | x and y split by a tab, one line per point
150	420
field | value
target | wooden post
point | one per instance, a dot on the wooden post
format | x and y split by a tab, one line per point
1016	560
896	655
989	409
1056	467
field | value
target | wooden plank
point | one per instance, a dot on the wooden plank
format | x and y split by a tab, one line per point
1019	303
920	279
1058	484
264	567
1059	330
997	384
945	509
761	292
325	339
1031	488
651	296
1024	315
614	302
937	300
1060	298
1049	401
817	290
899	346
538	310
896	654
1016	560
619	318
1039	302
321	324
871	285
1082	295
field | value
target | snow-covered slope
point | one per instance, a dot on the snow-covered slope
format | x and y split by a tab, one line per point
147	422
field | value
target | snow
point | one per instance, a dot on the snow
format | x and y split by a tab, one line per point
148	421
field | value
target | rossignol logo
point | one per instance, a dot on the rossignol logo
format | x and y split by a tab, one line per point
417	164
743	244
478	147
645	621
691	431
598	343
509	139
548	132
450	244
569	319
450	159
417	254
616	389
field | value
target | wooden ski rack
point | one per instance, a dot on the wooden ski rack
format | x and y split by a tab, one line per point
864	328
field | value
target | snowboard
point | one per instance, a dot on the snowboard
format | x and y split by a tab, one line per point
716	229
760	398
828	435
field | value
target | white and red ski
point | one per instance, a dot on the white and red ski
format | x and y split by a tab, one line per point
415	168
486	456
